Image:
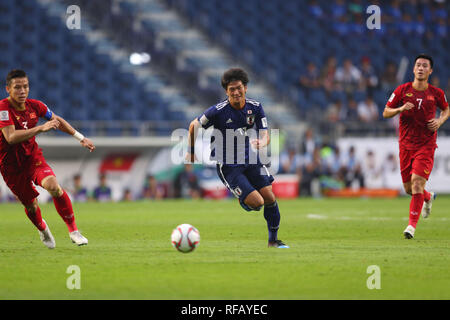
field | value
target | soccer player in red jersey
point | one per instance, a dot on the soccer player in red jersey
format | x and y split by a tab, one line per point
22	163
417	102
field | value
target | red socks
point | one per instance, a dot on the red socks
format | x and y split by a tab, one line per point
64	207
415	208
36	218
426	195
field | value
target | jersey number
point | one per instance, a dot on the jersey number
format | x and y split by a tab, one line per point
25	124
420	102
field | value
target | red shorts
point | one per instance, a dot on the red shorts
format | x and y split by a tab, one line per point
419	162
21	181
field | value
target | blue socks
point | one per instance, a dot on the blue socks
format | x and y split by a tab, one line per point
272	216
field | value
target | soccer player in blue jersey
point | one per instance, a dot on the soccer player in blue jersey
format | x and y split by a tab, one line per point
236	152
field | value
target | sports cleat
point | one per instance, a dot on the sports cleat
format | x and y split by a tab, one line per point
409	232
426	209
278	244
47	237
78	238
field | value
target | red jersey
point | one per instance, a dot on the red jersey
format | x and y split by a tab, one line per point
413	130
18	154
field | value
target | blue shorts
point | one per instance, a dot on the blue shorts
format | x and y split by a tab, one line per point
244	179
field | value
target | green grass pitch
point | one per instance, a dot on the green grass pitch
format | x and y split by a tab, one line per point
129	256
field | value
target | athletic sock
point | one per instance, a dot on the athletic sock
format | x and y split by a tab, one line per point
36	219
63	206
415	207
426	196
272	216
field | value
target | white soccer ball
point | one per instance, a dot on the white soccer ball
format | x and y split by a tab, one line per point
185	238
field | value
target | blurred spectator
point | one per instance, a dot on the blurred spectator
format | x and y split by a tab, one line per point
309	143
419	25
79	193
351	110
390	172
369	77
372	172
338	8
335	112
348	77
127	195
405	25
352	170
393	11
289	161
186	184
447	90
315	9
152	190
368	110
435	81
327	75
389	77
311	78
102	192
309	174
440	28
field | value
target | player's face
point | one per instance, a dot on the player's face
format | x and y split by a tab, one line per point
18	89
422	69
236	93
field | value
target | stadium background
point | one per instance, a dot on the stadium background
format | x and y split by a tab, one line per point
137	70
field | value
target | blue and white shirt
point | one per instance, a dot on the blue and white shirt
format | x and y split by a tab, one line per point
235	128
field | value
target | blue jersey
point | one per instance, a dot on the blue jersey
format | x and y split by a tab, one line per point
235	128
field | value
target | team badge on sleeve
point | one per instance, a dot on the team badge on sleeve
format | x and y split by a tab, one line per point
392	97
4	115
204	120
264	122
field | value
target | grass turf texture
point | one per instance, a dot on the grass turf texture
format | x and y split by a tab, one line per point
129	256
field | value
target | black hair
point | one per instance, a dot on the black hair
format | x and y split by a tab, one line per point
234	74
424	56
16	73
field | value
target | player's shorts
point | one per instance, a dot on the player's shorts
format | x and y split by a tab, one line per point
244	179
419	162
21	181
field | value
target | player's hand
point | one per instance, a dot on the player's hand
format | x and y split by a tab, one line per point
256	144
87	143
190	157
433	124
407	106
49	125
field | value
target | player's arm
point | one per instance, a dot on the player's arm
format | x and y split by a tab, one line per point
392	112
193	130
13	136
64	126
264	139
436	123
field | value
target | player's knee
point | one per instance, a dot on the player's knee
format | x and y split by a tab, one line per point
417	186
32	207
255	202
269	198
54	189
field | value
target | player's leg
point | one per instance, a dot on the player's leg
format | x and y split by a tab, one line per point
262	180
34	214
61	201
46	179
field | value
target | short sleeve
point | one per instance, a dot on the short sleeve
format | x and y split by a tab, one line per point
43	110
395	98
442	100
261	121
208	117
5	118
